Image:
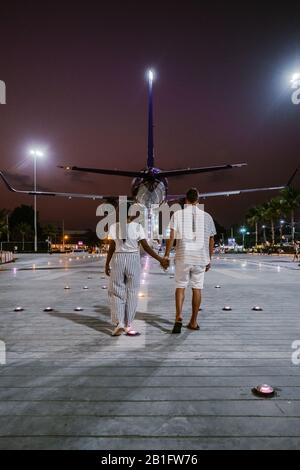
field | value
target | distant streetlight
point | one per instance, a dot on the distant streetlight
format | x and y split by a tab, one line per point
243	231
36	153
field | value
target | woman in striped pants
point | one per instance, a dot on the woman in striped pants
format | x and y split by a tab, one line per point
123	265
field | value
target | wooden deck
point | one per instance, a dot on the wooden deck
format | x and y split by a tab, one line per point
67	384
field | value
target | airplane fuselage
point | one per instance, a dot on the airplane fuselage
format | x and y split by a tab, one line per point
151	188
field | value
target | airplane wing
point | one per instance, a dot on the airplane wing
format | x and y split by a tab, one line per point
104	171
228	193
163	173
204	169
52	193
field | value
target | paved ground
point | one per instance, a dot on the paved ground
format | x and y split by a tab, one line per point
67	384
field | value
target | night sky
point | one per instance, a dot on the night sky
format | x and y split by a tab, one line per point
75	78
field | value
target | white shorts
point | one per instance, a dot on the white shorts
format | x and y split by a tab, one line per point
186	274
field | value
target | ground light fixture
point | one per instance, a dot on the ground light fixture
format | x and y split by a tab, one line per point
264	390
18	309
67	287
227	308
257	308
78	309
48	309
104	287
85	287
217	287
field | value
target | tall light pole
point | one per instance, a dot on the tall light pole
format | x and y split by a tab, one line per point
264	232
282	222
243	230
36	153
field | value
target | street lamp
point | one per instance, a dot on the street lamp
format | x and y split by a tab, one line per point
36	153
264	232
243	231
282	222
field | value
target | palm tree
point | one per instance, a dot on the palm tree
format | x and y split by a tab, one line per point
273	212
254	217
290	200
25	230
50	230
263	210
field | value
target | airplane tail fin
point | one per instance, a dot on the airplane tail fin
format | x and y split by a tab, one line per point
150	157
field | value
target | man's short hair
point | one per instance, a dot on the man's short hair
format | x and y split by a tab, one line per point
192	195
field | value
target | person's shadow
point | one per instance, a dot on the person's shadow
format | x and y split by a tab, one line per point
105	326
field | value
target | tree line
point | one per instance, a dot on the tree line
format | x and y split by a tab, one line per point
270	213
19	224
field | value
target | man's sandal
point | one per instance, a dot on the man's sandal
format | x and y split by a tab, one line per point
177	327
192	328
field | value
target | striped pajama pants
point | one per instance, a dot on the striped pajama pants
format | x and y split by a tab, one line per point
124	283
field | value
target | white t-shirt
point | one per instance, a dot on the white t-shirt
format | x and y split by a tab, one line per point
130	243
193	229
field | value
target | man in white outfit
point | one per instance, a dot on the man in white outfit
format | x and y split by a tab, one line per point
194	231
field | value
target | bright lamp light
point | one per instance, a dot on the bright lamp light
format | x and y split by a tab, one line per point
36	152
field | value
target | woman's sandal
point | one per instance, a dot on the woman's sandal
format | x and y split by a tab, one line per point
133	333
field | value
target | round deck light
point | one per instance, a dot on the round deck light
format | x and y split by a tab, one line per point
264	390
19	309
48	309
78	309
227	308
257	308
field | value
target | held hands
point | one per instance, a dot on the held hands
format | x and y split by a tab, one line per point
164	262
107	270
207	268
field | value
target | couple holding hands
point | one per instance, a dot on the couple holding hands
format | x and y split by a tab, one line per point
194	231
